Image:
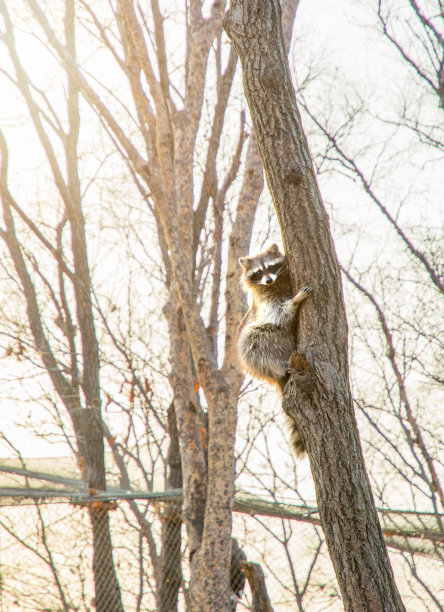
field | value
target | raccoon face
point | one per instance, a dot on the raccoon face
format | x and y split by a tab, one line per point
263	269
266	274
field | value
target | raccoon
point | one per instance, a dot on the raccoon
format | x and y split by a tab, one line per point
266	336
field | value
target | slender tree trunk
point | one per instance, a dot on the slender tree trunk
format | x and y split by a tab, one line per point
86	418
255	576
170	558
211	565
186	406
107	591
318	396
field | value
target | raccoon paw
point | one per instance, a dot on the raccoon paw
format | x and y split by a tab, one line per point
306	290
302	295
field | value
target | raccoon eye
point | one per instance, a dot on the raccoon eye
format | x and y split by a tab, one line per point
256	276
275	267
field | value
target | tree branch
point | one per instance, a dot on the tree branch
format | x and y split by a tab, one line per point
391	354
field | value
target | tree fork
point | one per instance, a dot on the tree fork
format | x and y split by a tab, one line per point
317	397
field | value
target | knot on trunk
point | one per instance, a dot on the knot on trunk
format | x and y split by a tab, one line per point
271	76
246	19
233	22
294	174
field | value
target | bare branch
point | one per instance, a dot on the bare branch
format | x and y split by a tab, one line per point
391	354
350	164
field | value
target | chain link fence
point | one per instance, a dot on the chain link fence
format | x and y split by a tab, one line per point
130	553
51	559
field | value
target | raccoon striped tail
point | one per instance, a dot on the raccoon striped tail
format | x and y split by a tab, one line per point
296	439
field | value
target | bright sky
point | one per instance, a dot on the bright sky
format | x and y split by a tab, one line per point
335	36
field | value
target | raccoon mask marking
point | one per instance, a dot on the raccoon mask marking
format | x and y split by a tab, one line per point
268	269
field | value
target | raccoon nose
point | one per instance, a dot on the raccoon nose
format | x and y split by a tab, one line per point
268	280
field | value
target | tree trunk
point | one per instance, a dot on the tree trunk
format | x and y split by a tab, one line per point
318	396
107	591
170	558
186	406
255	576
86	418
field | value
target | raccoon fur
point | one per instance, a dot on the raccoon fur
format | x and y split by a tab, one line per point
266	336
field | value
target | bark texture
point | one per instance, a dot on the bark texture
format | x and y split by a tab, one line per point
317	396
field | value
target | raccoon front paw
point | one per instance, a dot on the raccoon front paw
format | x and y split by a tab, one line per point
306	290
302	295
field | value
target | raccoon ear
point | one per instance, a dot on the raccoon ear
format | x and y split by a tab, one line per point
273	248
244	261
